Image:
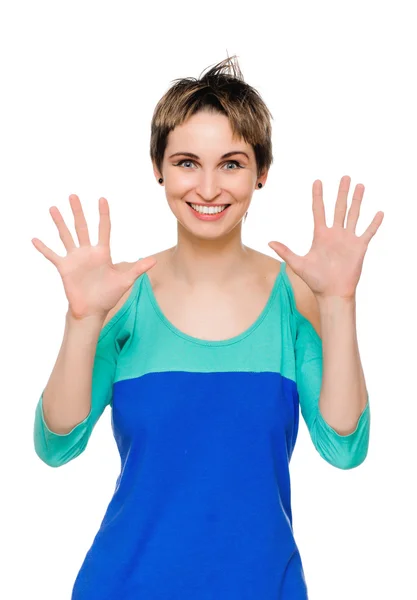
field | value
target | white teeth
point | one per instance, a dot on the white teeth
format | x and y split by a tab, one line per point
210	210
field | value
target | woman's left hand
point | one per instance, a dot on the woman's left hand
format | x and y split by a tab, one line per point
333	264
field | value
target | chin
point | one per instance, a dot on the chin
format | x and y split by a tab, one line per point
205	230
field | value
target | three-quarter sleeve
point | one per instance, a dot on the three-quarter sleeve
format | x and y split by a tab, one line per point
342	451
57	449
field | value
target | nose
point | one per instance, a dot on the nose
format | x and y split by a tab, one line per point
208	187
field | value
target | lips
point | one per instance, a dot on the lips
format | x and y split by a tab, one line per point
208	216
207	205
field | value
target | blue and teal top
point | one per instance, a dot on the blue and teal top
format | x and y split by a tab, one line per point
205	431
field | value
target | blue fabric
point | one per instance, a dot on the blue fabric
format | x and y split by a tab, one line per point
205	431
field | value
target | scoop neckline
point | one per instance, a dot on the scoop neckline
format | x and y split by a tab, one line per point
226	342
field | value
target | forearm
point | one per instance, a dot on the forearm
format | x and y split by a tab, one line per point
343	394
67	395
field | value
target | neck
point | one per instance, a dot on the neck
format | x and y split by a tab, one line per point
214	261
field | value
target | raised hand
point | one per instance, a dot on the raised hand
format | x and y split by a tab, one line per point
333	265
93	285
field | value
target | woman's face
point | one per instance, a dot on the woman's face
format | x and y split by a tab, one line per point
196	171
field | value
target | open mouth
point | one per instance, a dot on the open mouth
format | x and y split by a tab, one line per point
212	210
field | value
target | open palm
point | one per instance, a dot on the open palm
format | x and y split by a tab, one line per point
92	284
333	265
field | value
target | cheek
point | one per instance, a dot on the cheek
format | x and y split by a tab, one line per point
179	184
245	181
240	186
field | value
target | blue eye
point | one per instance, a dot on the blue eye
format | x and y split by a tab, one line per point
233	162
229	162
178	164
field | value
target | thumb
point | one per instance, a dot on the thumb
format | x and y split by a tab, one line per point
139	267
292	259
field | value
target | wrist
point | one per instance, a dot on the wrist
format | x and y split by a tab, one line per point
327	301
89	321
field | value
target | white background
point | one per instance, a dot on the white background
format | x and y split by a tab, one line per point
79	84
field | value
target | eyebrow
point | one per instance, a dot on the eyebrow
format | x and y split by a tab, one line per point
191	155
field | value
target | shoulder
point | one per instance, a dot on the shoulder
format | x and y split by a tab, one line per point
305	300
122	266
125	266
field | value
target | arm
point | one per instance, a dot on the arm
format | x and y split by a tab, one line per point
80	385
331	270
66	399
343	396
329	381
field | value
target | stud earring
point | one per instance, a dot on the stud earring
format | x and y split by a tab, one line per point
259	185
160	180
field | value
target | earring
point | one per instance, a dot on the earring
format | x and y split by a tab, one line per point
160	180
259	185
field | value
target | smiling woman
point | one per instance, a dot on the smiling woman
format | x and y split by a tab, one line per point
222	93
204	355
216	103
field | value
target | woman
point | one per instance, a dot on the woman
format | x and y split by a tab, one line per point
205	352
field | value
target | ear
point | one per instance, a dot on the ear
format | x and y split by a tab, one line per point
156	171
262	178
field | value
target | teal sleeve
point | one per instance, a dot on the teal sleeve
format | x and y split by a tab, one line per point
341	451
56	449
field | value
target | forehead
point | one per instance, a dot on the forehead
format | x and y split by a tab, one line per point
206	131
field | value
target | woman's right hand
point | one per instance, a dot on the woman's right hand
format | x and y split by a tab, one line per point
92	284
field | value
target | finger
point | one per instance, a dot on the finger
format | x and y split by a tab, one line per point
79	219
140	267
319	215
353	214
64	232
373	227
104	224
341	202
47	252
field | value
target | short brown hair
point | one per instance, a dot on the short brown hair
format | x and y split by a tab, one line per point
218	90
